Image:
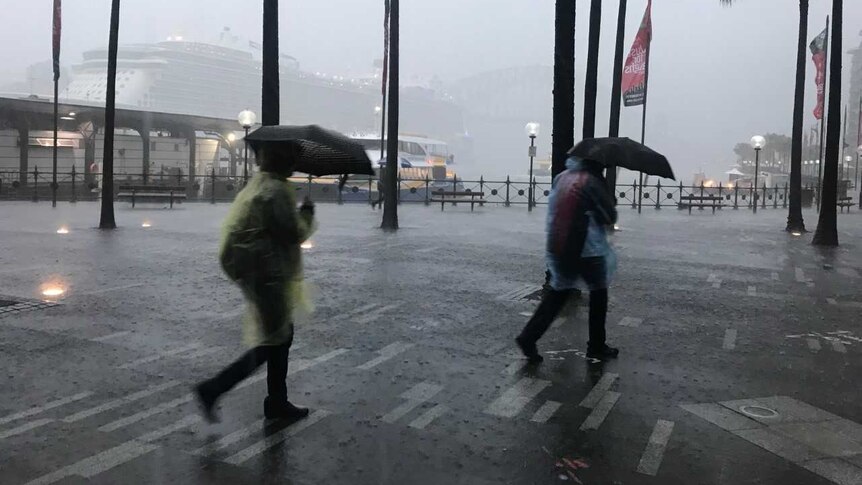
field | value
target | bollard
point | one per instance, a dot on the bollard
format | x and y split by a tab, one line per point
508	184
74	191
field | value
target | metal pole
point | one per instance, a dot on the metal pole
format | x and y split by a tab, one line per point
530	190
756	173
245	163
820	154
56	128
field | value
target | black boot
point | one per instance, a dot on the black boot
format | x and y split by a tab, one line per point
603	352
273	409
529	350
206	403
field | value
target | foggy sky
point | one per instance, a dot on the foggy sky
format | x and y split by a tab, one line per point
718	75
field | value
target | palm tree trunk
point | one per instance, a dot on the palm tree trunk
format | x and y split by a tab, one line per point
591	88
827	225
390	181
564	84
270	92
795	222
107	220
617	90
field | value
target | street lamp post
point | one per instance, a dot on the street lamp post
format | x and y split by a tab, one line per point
848	162
757	142
246	119
532	130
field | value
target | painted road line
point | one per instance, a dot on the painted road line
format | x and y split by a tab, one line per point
752	291
203	352
123	422
108	290
631	322
276	438
729	339
98	463
302	364
599	390
24	428
813	344
427	250
839	347
600	411
654	451
415	396
376	314
119	402
515	398
422	421
229	439
160	355
546	411
386	353
45	407
111	336
360	309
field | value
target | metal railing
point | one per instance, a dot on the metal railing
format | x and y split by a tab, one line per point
36	185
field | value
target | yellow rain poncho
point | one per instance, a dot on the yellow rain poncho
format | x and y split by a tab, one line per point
260	250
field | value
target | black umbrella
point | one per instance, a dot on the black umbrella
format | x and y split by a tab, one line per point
321	151
626	153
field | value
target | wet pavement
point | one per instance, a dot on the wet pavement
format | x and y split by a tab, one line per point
741	351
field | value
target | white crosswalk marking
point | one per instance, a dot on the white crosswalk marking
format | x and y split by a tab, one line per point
119	402
600	411
729	339
376	314
386	353
631	322
545	412
813	344
303	364
515	398
202	352
415	396
360	309
230	439
422	421
651	459
514	367
24	428
45	407
276	438
160	355
123	422
111	336
160	433
839	347
599	390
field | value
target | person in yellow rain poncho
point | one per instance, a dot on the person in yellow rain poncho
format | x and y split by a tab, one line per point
260	251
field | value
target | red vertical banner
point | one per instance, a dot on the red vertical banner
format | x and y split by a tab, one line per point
635	69
385	45
818	54
58	27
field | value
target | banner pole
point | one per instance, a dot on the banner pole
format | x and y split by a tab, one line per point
643	119
820	153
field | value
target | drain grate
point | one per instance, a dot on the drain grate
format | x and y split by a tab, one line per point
12	306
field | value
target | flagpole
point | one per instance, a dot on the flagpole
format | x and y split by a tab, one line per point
823	118
643	119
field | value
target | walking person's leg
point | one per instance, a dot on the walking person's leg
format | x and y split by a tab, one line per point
595	275
552	303
276	405
209	391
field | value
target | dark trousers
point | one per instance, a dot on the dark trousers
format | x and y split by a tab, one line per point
275	357
551	305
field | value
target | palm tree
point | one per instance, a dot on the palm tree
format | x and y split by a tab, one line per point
564	84
616	91
827	225
390	181
795	222
591	87
270	93
107	220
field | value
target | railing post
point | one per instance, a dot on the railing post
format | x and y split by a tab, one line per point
212	193
427	188
658	195
508	184
35	184
369	192
764	195
339	195
736	197
720	195
635	194
679	201
74	190
751	196
701	196
775	197
482	188
133	198
785	195
309	187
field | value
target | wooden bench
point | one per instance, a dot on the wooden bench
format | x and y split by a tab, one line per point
454	197
152	193
845	202
701	201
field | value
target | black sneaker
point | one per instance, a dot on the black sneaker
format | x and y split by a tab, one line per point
206	403
283	410
603	352
529	350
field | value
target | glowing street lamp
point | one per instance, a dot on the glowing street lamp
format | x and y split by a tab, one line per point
246	119
757	142
532	130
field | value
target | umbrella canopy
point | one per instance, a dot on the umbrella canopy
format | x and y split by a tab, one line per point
626	153
321	151
734	171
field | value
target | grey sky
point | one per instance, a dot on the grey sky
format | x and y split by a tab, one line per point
718	75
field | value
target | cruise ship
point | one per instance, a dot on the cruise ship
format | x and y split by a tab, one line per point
221	79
